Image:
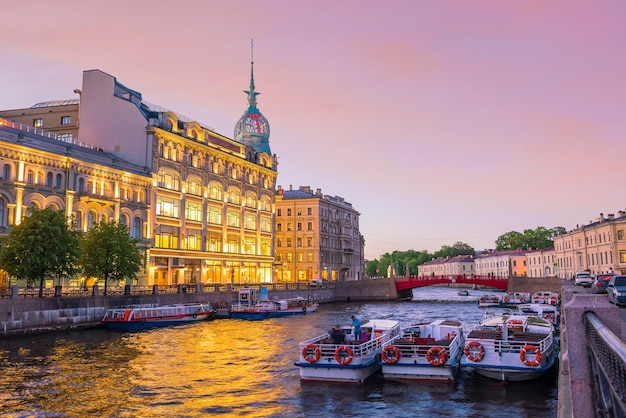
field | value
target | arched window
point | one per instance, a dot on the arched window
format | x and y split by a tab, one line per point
30	177
79	220
49	177
136	228
81	185
59	181
124	220
2	213
91	219
6	172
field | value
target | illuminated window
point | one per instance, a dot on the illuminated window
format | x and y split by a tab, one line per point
167	206
38	123
214	215
193	211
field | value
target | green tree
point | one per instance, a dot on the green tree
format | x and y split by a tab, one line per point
371	268
109	253
42	246
534	239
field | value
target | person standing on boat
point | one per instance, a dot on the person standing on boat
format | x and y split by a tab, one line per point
356	323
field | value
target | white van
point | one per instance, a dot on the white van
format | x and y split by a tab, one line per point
583	278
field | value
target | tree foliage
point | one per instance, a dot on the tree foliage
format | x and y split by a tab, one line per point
42	246
109	253
530	239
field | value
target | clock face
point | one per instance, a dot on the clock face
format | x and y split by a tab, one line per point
252	125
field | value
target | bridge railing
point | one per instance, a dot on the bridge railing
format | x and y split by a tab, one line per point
608	364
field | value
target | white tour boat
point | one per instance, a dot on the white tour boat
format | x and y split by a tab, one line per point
325	359
429	351
511	347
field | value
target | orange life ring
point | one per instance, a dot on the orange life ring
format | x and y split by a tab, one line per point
391	354
343	360
437	356
311	353
474	351
549	317
532	349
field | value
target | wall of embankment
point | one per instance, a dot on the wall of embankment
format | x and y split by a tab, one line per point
35	315
534	284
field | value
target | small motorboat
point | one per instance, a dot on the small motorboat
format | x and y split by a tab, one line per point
510	347
425	351
490	300
147	317
463	292
546	297
515	298
329	358
249	308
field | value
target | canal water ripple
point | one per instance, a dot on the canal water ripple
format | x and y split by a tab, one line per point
229	368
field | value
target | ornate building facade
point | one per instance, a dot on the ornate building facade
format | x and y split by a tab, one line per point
41	169
317	237
207	211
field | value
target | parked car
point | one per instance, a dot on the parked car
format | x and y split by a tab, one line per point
582	278
616	290
600	281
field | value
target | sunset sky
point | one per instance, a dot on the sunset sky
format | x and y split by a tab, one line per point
439	121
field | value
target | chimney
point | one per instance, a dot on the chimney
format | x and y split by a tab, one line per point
611	216
601	217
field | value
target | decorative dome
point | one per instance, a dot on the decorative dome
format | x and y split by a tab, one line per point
252	128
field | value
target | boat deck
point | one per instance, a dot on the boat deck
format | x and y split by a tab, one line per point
497	335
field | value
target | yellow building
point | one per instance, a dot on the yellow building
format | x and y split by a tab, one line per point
209	208
317	237
501	264
599	247
41	169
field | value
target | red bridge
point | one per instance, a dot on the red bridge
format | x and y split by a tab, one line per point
410	282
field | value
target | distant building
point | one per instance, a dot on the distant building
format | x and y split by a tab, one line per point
448	266
541	263
434	267
317	236
599	247
501	264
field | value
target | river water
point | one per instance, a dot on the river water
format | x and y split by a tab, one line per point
227	368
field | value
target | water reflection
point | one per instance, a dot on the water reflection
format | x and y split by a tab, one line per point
239	368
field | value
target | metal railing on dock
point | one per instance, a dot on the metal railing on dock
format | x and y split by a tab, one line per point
608	364
128	290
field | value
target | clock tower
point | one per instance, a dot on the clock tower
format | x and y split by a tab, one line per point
252	128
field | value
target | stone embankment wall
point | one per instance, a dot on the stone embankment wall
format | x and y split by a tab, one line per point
535	284
21	316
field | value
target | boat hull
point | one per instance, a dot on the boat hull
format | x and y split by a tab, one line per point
137	325
357	373
420	369
515	374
